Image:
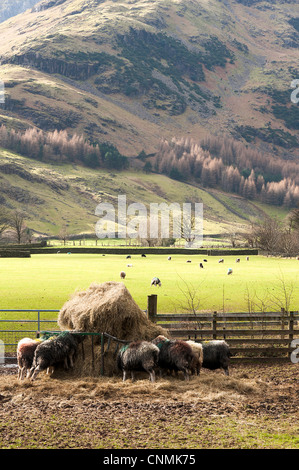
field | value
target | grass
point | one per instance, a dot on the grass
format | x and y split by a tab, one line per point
47	281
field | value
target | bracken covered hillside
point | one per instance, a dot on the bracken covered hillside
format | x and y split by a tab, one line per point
133	72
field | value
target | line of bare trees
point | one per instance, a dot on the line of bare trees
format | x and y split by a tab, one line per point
13	226
230	165
274	236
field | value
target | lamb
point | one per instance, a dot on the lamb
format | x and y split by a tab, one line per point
196	364
122	275
25	352
216	355
61	349
156	282
175	355
138	356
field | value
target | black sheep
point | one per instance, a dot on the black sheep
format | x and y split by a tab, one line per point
60	349
175	355
138	356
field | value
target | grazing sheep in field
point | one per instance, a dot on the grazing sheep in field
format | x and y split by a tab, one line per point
122	274
156	282
247	258
205	260
174	355
143	255
221	260
188	261
25	352
61	349
128	257
229	271
238	260
196	364
138	356
216	355
129	265
200	265
169	258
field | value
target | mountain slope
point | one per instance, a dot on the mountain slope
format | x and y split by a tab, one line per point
54	197
135	71
9	8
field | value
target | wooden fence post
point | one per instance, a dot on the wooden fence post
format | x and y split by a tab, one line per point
102	354
282	321
152	307
291	327
214	325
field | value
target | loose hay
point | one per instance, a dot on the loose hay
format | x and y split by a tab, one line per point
109	308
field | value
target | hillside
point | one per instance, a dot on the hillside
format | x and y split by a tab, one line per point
65	196
134	71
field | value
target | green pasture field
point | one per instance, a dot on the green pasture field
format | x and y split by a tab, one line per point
47	281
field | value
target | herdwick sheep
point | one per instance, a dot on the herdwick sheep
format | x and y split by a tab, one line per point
122	274
156	282
138	356
61	349
196	364
229	271
25	352
174	355
216	355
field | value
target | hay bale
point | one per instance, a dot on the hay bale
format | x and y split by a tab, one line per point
109	308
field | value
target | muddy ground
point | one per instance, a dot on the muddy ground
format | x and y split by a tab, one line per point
256	407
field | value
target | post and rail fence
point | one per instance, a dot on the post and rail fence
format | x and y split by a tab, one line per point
251	336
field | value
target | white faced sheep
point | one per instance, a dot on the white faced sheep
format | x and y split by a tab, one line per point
122	275
61	349
156	282
196	364
216	355
229	271
138	356
25	352
174	355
